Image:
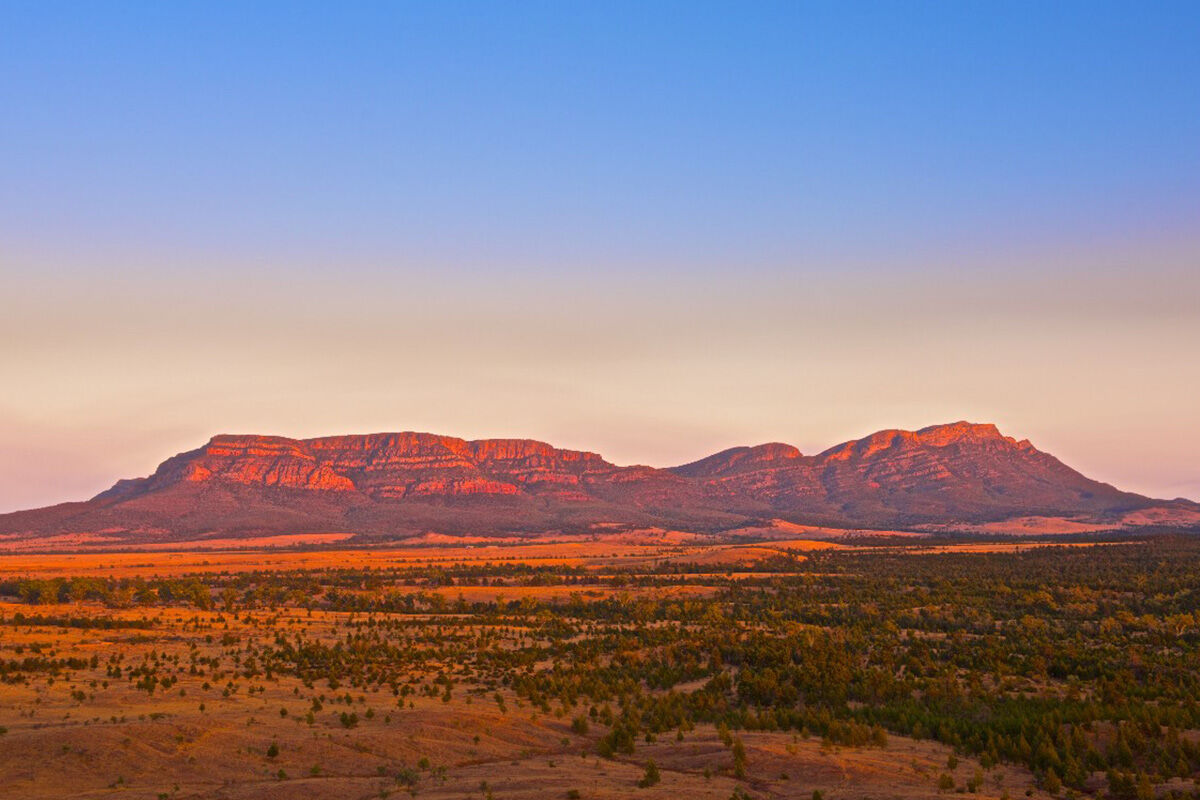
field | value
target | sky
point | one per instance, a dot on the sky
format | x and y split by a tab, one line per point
652	230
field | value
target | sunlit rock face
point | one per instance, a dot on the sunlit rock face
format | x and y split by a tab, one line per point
390	465
393	484
957	471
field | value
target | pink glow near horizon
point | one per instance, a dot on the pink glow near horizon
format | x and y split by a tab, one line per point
107	380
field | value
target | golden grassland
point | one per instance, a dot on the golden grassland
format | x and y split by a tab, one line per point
94	737
593	554
216	733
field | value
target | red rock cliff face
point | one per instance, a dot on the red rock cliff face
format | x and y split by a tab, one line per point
961	469
268	461
384	466
972	468
389	483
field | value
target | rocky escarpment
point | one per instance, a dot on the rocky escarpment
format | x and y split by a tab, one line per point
398	466
392	484
961	470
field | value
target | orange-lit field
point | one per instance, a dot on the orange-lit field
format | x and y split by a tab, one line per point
222	734
597	554
560	670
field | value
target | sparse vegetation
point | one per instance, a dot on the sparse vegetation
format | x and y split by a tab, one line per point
650	777
1055	669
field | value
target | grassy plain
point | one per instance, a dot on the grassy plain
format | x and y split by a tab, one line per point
534	671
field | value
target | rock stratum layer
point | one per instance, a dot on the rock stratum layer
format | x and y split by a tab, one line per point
394	485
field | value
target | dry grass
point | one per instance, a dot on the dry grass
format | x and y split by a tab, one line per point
605	555
121	742
118	741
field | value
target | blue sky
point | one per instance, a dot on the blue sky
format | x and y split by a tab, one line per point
670	134
634	164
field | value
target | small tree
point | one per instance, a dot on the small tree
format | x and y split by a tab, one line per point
1051	781
976	781
739	758
651	775
1144	790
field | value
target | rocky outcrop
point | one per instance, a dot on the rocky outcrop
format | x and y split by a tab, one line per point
741	459
380	466
961	471
966	469
392	483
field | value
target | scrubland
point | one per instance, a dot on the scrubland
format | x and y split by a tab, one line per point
768	670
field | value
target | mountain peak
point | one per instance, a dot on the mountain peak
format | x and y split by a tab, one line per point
772	451
952	433
961	431
740	459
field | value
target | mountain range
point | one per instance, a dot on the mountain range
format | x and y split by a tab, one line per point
398	485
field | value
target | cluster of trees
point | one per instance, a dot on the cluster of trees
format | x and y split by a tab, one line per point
112	592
